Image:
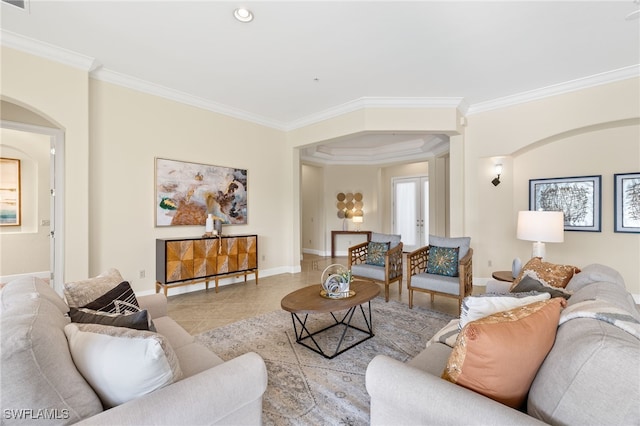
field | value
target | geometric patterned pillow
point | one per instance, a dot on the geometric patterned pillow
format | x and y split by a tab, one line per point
376	253
443	261
119	300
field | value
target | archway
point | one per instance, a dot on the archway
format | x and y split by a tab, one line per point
25	121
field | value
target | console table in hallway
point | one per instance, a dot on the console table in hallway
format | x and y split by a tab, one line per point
333	238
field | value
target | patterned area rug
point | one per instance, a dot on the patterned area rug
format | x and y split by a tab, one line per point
306	389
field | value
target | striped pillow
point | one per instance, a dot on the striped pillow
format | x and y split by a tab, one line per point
119	300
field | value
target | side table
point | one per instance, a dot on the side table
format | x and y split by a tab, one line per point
503	276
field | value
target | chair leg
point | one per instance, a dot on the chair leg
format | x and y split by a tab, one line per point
433	296
386	292
410	299
400	287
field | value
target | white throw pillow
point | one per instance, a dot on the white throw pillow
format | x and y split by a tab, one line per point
476	307
120	363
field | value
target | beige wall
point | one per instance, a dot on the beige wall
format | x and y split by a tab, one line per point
312	211
591	132
109	170
60	94
25	248
129	130
320	186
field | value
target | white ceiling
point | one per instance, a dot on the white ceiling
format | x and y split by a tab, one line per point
301	61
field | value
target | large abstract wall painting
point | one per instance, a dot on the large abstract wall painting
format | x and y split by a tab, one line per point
10	213
627	202
187	192
578	197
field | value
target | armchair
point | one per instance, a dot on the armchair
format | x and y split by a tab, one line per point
385	270
419	279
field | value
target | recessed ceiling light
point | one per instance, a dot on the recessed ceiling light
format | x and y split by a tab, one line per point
243	14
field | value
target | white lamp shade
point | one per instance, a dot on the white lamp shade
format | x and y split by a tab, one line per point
358	219
541	226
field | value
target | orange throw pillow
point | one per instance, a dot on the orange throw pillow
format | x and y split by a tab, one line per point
498	356
549	274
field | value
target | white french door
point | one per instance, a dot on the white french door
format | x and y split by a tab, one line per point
411	211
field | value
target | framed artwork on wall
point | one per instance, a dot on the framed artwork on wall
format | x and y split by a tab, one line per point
186	192
10	196
579	198
627	202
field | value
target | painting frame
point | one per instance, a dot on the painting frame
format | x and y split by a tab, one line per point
578	197
185	192
10	192
626	190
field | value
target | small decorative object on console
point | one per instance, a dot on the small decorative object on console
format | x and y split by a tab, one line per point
336	280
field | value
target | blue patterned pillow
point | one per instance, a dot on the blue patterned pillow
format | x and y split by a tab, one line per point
443	261
376	253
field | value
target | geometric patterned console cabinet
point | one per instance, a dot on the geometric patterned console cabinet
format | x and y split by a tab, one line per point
183	261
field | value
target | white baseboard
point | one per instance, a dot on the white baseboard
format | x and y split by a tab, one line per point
314	252
480	282
226	281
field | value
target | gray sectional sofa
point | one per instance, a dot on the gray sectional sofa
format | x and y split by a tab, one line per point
40	383
591	376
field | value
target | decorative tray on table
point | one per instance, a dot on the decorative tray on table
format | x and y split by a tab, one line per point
337	295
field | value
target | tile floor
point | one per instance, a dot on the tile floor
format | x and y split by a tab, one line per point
203	310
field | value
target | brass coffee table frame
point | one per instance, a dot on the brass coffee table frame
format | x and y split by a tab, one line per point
301	303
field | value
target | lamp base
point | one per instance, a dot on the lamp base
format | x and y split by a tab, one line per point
538	250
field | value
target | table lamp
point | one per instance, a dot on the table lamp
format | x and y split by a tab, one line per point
540	227
358	220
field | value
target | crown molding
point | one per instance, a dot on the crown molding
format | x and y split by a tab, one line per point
395	153
375	102
399	157
144	86
94	67
632	71
48	51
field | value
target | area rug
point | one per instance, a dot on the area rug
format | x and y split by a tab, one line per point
306	389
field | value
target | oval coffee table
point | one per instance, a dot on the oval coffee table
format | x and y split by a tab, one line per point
305	301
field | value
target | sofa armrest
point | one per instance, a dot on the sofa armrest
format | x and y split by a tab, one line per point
404	395
227	393
155	304
494	286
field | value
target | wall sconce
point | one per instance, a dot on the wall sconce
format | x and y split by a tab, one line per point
498	170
